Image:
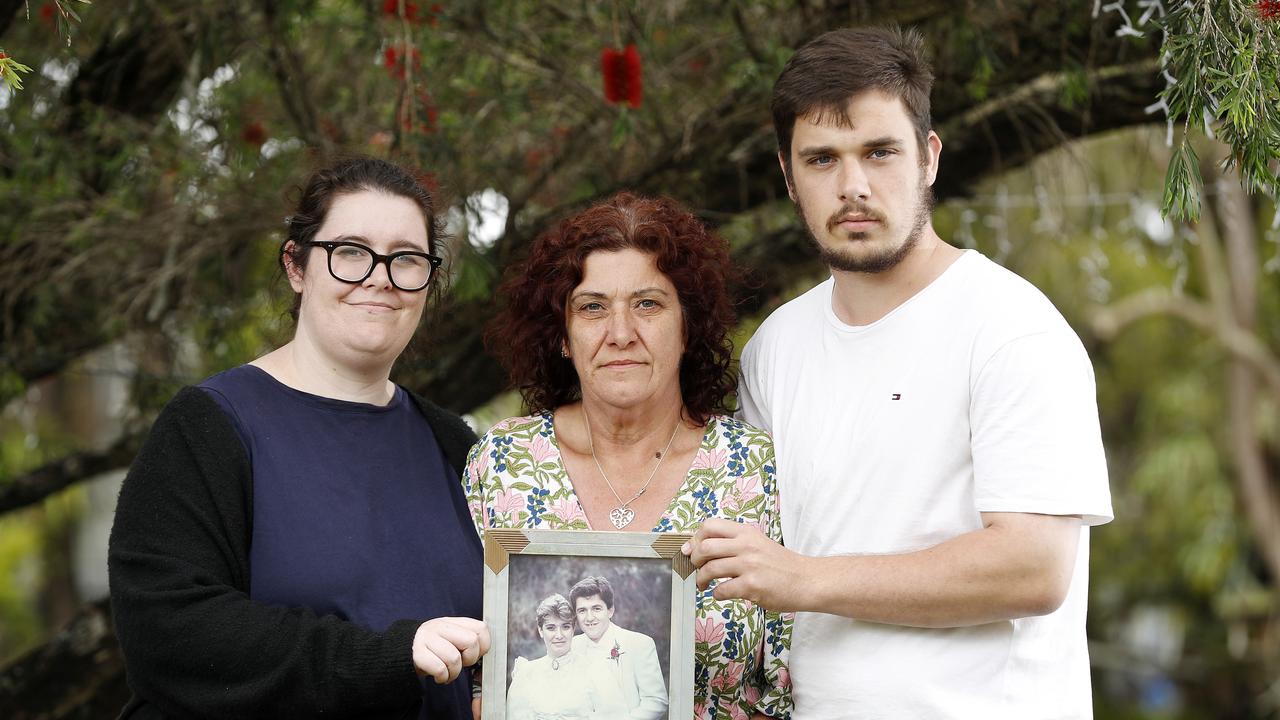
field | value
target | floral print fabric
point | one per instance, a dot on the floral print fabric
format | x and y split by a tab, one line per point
514	478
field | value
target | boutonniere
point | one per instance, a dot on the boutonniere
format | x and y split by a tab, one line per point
616	652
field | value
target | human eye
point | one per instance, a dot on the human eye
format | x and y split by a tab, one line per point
820	160
410	261
881	154
647	304
591	307
349	252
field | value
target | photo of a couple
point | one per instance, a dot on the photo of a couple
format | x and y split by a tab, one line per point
590	666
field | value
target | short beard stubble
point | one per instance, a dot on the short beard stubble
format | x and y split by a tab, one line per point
886	259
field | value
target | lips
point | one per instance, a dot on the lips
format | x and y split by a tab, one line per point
373	306
854	218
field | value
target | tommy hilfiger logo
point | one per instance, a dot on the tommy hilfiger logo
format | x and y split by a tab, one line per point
896	396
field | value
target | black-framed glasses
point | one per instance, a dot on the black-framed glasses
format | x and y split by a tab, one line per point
351	262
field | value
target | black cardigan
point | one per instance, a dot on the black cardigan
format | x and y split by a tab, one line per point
194	644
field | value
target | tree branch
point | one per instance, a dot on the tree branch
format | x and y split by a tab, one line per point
35	486
1109	321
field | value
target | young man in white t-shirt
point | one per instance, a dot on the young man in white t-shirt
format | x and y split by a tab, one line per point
936	428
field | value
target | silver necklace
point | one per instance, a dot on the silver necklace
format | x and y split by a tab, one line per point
622	515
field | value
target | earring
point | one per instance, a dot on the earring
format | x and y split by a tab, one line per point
564	353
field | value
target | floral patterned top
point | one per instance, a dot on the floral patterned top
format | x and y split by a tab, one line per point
514	478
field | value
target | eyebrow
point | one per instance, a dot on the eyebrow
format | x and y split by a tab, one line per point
887	141
396	245
599	295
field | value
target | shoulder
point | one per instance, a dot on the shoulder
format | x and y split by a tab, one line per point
522	425
795	317
1004	300
740	432
451	431
515	431
194	413
522	664
1001	307
634	639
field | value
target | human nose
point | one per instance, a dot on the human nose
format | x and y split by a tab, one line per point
380	275
854	184
622	328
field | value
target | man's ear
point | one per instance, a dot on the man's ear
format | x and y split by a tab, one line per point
291	268
786	175
934	146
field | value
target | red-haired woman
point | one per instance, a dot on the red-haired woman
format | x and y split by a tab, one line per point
616	333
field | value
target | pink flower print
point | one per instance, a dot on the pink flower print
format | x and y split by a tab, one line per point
737	713
729	677
480	467
784	678
507	501
699	709
504	425
731	503
708	630
567	510
750	693
540	448
745	489
476	506
710	460
748	486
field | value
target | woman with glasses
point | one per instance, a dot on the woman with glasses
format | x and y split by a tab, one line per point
277	544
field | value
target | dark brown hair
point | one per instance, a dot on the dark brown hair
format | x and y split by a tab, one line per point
828	71
591	586
529	330
347	175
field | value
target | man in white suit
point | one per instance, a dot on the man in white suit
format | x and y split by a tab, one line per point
632	656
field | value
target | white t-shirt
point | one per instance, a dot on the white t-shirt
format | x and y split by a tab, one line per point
973	396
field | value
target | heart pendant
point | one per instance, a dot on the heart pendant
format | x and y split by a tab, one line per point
621	516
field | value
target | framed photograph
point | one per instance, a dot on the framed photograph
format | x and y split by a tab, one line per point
587	625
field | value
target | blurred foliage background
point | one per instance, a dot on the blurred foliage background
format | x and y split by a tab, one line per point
147	166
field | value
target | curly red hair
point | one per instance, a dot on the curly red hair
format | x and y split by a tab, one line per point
530	330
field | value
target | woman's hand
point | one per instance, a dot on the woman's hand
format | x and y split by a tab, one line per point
475	708
445	645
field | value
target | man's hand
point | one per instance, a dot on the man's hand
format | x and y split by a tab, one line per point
445	645
750	565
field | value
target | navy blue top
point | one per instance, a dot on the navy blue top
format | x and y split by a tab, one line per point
356	512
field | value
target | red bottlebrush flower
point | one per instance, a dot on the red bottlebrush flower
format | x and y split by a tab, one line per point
430	182
1268	9
621	71
433	14
533	159
47	11
254	133
391	8
393	59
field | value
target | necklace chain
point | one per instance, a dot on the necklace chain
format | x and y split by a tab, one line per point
622	514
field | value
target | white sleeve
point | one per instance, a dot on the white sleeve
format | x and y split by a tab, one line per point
519	702
1037	445
751	393
649	683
